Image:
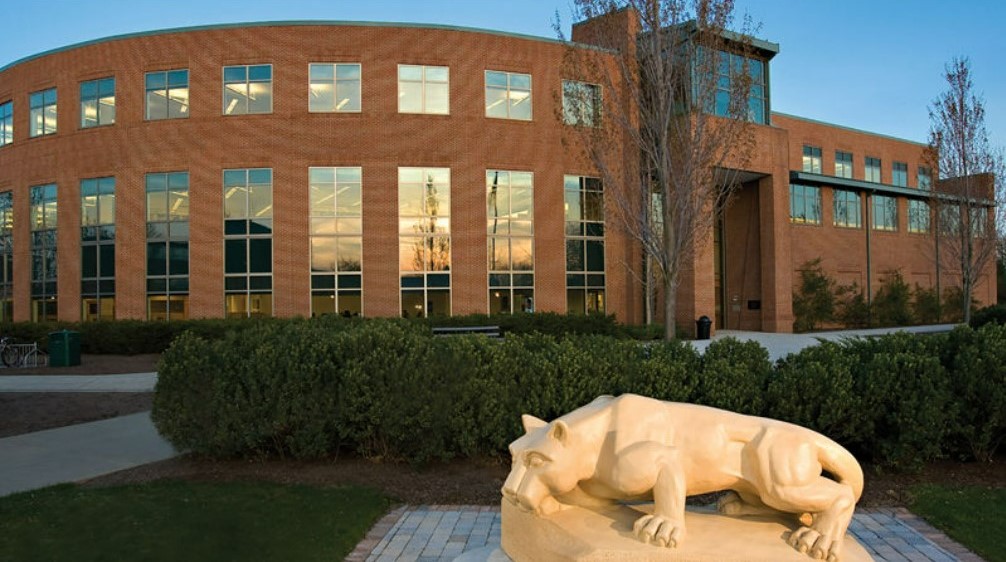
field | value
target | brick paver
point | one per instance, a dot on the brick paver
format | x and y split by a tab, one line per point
444	532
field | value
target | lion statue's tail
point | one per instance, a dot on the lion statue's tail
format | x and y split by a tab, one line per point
842	465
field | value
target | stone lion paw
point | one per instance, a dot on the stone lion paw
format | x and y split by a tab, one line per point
817	545
659	530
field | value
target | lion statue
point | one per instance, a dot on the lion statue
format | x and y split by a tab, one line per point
632	448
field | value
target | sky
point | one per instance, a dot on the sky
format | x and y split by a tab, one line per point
872	65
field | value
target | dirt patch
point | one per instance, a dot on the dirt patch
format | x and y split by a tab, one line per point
95	365
25	412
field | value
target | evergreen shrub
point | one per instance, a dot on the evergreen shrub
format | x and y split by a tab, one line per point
386	389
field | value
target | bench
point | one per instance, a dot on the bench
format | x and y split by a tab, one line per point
488	331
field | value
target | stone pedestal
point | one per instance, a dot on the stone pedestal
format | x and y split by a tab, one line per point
584	534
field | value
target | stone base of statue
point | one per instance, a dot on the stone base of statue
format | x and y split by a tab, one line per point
596	534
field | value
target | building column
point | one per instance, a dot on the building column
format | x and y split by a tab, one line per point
776	255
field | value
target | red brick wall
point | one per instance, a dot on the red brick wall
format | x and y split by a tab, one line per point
842	250
291	139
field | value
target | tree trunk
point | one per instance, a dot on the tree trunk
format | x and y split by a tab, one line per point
670	307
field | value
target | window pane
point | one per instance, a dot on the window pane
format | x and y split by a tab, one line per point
437	98
323	253
347	96
350	253
410	97
260	97
235	256
178	258
496	102
106	254
321	96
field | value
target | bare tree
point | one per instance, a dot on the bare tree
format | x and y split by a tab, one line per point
674	124
968	192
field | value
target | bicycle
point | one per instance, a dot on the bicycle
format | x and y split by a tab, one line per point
9	353
21	354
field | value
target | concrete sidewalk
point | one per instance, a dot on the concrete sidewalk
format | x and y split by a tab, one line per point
781	345
135	382
77	452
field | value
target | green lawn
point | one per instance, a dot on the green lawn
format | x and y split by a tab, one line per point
974	516
176	520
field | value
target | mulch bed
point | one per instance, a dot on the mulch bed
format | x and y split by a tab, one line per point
95	365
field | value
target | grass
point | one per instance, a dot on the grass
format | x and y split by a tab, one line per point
178	520
974	516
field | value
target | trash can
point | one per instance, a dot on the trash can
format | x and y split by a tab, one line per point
702	328
64	348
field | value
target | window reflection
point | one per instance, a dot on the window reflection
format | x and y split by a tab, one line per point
97	102
584	215
335	196
508	95
247	89
424	256
167	94
42	113
423	89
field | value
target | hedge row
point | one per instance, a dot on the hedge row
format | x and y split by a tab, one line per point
130	337
385	388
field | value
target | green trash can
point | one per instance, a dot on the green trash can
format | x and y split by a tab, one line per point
64	348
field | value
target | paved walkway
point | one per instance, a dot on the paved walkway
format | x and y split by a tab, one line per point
781	345
136	382
442	533
77	452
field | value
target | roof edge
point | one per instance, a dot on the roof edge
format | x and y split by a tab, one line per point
282	23
852	129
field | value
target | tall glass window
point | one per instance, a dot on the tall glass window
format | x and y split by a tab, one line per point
581	103
97	102
43	253
247	89
336	240
848	209
812	159
508	95
885	213
334	87
899	174
42	113
6	256
424	240
248	242
6	123
510	235
584	214
918	216
804	204
167	246
423	89
167	94
925	178
97	249
843	164
731	65
872	169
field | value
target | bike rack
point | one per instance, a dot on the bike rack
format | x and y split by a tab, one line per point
29	355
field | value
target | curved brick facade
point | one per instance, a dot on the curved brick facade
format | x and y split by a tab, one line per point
289	140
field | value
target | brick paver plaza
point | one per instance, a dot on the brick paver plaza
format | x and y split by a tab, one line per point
428	533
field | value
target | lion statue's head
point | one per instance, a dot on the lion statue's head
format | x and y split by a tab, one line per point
545	466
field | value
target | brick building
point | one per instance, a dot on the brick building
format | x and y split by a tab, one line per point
300	168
